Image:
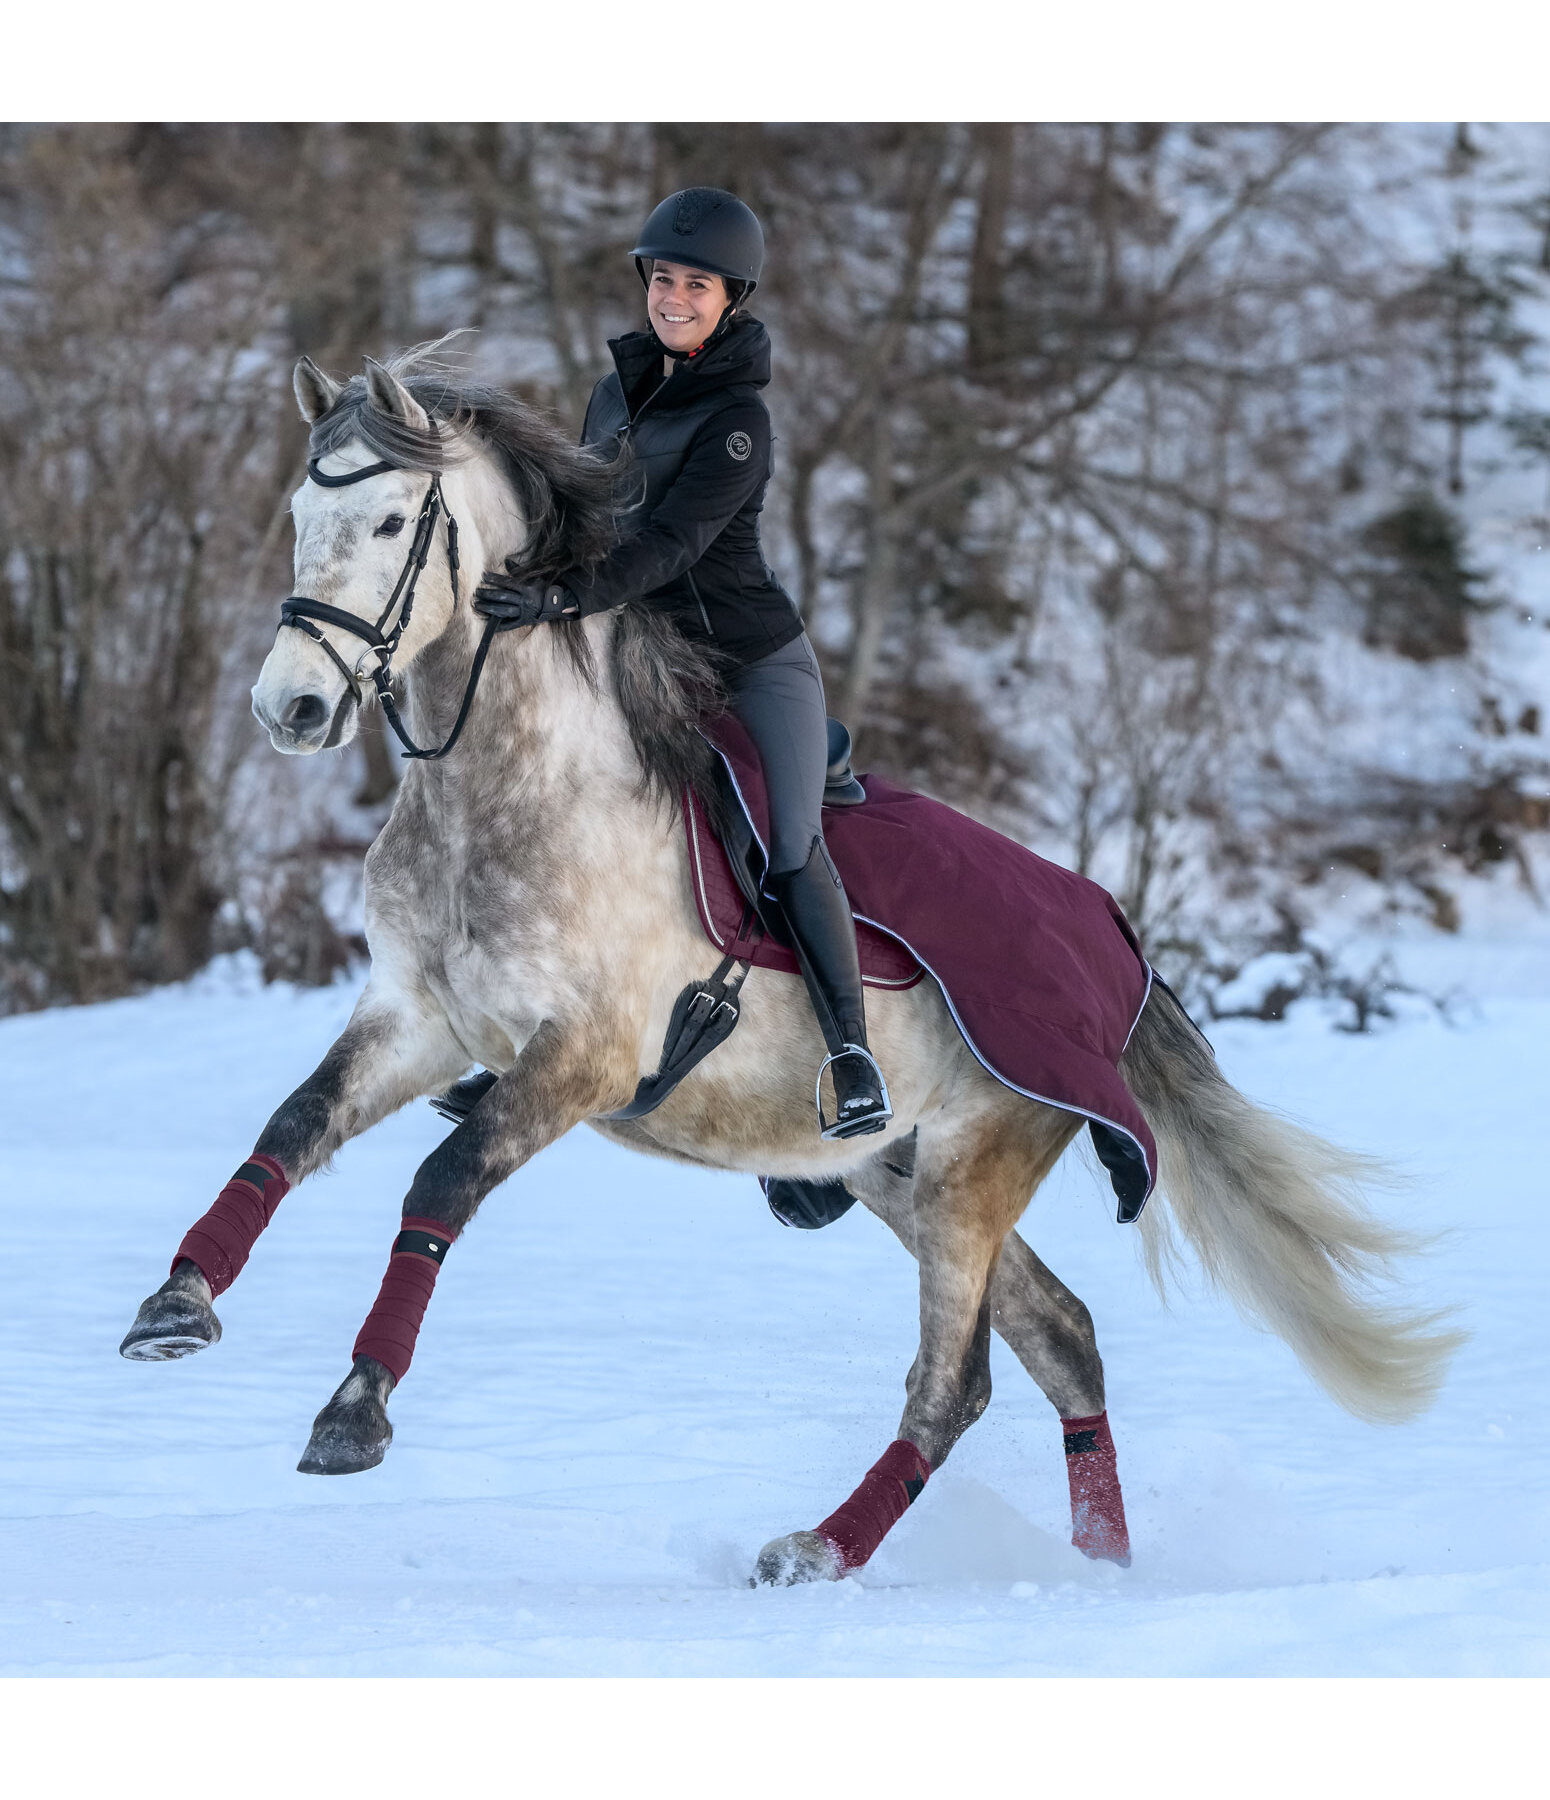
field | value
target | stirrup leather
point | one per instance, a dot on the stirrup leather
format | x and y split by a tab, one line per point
858	1124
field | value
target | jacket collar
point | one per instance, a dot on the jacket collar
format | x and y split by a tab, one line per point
742	357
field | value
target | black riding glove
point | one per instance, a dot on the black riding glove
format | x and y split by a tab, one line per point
512	601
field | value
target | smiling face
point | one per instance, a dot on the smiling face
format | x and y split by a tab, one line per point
684	304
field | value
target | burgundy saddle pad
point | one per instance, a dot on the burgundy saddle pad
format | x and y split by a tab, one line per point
1040	969
884	960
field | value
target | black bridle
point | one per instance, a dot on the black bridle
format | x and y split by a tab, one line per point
305	614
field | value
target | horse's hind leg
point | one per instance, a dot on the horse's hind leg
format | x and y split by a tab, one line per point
385	1056
972	1180
1044	1324
1050	1332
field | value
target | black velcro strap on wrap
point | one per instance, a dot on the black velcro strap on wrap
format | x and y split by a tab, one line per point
1079	1441
422	1243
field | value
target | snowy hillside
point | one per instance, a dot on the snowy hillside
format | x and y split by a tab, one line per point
631	1377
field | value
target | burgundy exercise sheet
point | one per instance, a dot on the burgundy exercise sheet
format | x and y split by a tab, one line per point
1039	967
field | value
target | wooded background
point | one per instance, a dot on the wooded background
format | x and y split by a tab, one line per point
1164	494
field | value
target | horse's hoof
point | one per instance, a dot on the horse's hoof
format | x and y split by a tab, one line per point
803	1556
345	1446
170	1325
351	1433
1118	1554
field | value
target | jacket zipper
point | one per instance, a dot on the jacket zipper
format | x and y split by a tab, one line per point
630	425
688	573
623	433
694	588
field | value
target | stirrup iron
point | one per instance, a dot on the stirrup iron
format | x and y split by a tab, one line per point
858	1124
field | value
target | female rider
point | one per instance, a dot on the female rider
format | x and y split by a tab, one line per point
685	396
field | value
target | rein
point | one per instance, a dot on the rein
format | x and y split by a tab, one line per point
305	614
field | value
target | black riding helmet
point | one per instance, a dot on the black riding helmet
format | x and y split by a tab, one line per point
704	228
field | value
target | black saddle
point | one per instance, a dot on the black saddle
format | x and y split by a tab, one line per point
840	787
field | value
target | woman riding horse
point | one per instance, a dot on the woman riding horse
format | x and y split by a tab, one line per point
556	793
685	399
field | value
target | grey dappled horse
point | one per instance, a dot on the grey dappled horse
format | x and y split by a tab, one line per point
528	906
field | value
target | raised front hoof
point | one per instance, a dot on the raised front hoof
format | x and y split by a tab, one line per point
351	1433
801	1556
169	1326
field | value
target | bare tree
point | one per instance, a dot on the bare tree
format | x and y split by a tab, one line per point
1091	441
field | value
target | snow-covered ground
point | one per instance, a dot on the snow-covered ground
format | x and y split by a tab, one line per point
631	1377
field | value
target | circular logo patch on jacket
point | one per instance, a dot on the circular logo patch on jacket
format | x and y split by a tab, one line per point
740	446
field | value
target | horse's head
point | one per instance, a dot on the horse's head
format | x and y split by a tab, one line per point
396	452
375	548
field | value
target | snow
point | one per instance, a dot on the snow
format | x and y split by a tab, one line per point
631	1377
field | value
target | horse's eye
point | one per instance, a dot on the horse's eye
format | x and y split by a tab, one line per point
390	526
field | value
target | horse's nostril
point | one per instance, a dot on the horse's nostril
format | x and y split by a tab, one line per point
305	713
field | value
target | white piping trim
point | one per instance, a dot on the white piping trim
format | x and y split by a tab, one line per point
747	811
707	916
1140	1009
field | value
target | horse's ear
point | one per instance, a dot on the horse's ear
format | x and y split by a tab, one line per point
388	395
315	391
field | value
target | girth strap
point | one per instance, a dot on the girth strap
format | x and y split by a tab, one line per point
704	1015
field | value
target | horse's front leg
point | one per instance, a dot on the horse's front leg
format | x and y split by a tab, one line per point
555	1083
387	1055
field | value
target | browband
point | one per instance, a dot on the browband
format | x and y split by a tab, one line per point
317	475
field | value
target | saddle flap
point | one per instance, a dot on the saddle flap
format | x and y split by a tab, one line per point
745	854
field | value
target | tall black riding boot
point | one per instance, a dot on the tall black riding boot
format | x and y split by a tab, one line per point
824	936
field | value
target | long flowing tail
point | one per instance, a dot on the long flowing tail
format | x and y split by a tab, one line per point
1277	1219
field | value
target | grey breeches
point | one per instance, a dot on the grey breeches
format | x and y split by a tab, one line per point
779	700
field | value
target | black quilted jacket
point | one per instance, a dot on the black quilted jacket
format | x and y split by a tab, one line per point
701	448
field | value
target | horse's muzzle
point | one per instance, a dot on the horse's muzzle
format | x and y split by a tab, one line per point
301	724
